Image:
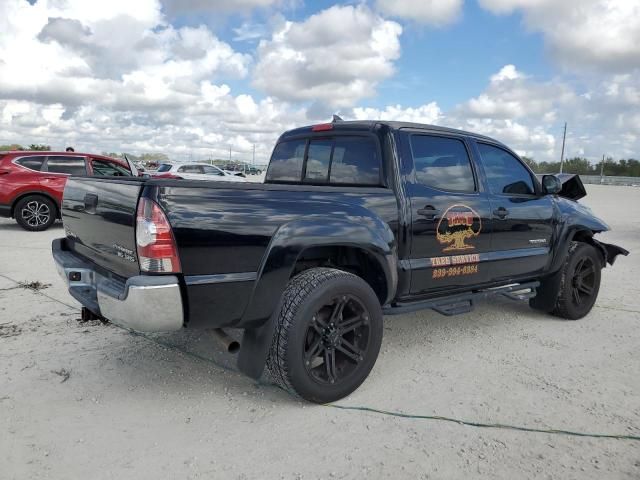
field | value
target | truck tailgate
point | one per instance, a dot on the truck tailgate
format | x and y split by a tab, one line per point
99	216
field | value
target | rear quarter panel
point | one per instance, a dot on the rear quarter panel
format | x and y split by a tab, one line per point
229	230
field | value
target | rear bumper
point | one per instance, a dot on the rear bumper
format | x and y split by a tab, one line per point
141	303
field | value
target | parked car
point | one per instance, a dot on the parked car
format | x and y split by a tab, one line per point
234	169
355	220
195	171
31	183
243	168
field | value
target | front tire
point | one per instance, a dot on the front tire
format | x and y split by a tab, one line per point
35	213
580	282
328	335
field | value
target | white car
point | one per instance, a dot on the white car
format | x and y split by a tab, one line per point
195	171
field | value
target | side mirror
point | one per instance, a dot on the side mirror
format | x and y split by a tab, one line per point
551	184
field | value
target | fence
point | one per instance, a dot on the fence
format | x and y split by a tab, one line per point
610	180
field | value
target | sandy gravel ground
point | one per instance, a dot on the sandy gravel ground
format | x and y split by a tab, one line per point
86	400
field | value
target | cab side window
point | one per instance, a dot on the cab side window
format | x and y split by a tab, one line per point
442	163
505	173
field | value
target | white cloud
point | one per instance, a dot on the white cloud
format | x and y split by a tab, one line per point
528	115
596	34
429	113
512	95
336	56
430	12
249	31
175	7
122	78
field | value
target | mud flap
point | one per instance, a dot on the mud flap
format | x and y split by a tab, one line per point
255	345
547	293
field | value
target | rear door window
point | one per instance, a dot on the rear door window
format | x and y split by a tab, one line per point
505	174
165	167
442	163
34	163
286	161
67	165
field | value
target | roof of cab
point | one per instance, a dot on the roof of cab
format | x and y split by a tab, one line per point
368	125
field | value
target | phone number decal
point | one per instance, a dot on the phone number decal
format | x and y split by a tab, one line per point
455	271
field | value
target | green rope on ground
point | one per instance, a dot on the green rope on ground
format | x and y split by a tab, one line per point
484	425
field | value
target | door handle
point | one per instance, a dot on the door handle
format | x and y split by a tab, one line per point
501	212
429	211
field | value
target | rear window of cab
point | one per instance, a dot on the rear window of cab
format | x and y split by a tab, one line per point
339	160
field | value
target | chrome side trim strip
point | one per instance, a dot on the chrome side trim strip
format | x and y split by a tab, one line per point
220	278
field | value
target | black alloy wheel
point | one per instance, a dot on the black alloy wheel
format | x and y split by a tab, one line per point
337	339
327	335
583	283
580	283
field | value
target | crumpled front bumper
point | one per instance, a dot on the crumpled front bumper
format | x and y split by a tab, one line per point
142	303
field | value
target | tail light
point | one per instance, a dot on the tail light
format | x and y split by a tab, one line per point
157	249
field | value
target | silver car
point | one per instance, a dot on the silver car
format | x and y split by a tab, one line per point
195	171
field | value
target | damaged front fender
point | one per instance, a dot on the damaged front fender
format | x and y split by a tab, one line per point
610	251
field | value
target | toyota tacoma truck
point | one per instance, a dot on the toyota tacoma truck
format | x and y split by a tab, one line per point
355	220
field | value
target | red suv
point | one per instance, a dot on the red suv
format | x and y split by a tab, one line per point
31	183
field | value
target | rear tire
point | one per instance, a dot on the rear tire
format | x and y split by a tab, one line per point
35	213
580	282
327	336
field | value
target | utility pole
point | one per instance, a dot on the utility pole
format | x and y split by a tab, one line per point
253	163
229	153
602	170
564	137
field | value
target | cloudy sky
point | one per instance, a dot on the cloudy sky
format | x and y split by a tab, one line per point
194	78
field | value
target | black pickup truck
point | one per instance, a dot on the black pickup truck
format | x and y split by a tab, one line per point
355	220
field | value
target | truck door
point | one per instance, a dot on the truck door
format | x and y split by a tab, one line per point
450	238
521	216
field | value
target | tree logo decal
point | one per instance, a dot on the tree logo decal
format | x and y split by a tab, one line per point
459	224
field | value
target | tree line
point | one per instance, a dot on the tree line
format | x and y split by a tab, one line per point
623	168
20	148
